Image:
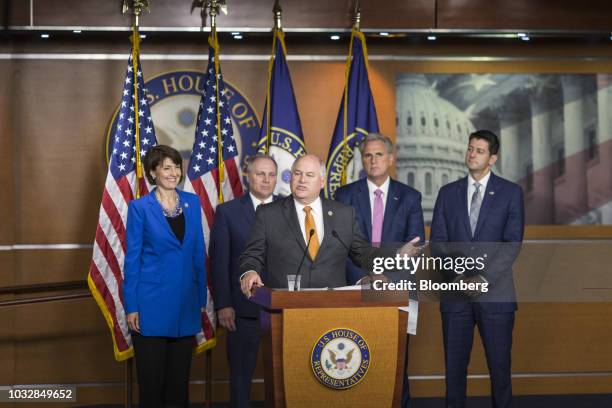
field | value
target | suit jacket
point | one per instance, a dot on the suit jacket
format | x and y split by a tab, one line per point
165	280
277	245
501	222
403	219
228	237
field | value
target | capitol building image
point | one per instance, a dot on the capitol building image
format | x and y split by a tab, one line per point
431	139
555	133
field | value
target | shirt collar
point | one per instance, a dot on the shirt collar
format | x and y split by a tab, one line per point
256	201
384	187
482	182
315	205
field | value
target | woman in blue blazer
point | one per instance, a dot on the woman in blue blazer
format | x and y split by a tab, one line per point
164	287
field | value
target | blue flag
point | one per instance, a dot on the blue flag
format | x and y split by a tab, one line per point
282	138
358	118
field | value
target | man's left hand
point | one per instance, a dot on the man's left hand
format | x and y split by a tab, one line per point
411	248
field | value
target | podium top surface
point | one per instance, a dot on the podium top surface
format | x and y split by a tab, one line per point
278	299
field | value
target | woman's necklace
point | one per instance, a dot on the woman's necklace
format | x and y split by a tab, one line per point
173	212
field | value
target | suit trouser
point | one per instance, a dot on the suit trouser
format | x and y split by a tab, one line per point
242	348
163	365
496	334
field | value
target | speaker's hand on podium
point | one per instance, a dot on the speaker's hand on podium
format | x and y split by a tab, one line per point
248	281
369	279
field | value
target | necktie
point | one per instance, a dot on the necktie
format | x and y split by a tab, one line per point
309	224
475	207
377	219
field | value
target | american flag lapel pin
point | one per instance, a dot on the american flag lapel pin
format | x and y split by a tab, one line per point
330	213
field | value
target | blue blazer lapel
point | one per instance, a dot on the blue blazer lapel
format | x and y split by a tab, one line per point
155	209
489	197
463	209
393	201
363	201
188	211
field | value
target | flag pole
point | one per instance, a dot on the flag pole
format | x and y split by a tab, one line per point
135	52
215	45
137	7
347	71
213	7
277	33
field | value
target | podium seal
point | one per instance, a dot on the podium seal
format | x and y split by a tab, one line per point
340	358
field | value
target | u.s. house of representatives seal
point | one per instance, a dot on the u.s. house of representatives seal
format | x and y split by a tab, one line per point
174	99
340	358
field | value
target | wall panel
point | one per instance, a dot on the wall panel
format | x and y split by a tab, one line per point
524	14
421	14
7	153
241	13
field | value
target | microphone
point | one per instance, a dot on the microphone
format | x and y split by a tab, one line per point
311	232
335	234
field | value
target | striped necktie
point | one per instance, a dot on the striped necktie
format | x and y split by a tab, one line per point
475	207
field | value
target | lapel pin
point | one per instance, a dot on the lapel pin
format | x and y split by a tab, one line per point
492	192
395	198
186	205
330	213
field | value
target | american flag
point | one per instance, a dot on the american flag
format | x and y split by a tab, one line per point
213	173
105	277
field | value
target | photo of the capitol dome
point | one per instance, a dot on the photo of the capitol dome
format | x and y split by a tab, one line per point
555	133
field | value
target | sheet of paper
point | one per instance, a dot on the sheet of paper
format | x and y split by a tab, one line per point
352	287
413	316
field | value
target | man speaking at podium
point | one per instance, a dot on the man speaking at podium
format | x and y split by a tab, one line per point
303	234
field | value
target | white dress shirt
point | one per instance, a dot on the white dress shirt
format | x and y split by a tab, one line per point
256	201
470	190
385	190
317	214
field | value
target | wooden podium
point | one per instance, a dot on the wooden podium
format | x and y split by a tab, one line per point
294	322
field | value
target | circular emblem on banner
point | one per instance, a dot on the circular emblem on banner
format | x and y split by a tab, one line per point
340	358
285	147
337	162
174	99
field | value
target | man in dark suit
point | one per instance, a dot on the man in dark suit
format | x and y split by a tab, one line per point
387	210
302	234
480	208
235	313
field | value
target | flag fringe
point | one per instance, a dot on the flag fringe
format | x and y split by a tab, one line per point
119	355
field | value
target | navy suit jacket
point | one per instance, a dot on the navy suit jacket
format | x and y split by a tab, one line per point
403	219
165	280
228	237
501	220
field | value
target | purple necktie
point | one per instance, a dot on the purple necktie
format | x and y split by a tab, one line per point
377	220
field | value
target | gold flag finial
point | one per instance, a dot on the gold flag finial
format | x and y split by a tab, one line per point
278	15
210	8
137	6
